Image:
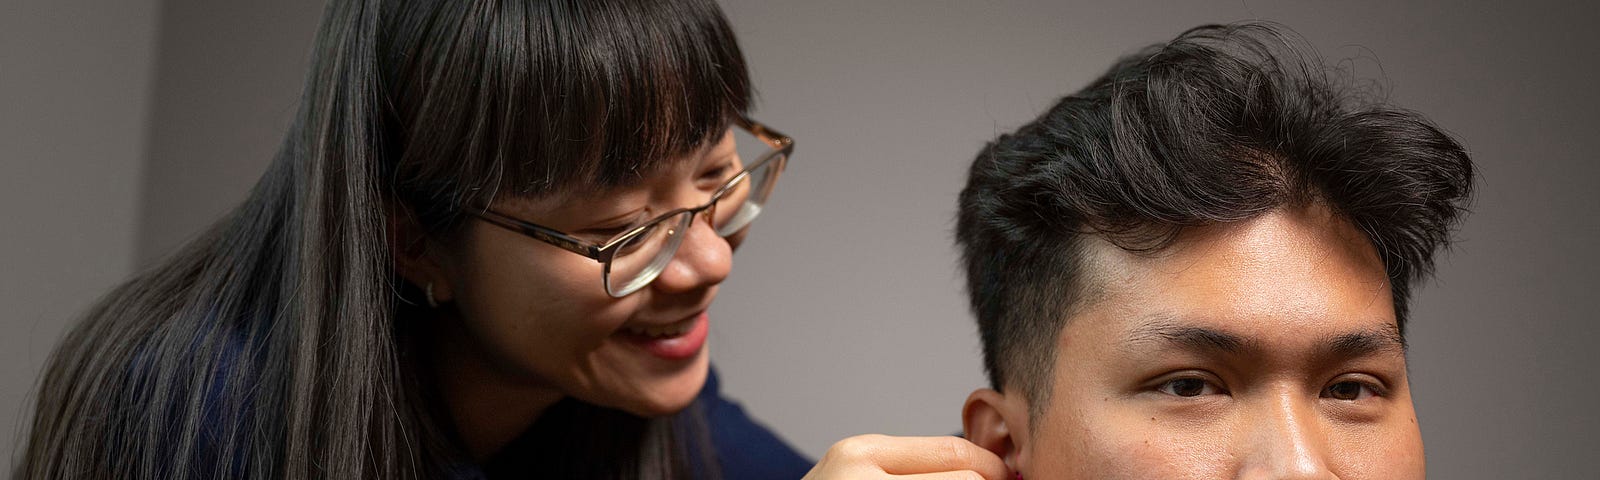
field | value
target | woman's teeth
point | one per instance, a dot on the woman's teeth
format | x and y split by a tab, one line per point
667	331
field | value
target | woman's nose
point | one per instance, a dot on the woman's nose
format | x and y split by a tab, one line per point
1285	442
704	259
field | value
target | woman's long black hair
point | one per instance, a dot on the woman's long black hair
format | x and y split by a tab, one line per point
276	345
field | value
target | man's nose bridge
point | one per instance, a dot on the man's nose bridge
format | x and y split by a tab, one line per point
1286	440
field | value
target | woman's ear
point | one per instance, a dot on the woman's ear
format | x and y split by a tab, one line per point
997	423
413	259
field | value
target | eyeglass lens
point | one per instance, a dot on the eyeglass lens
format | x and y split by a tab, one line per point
641	258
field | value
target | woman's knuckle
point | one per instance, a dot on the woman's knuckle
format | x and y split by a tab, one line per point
855	447
955	451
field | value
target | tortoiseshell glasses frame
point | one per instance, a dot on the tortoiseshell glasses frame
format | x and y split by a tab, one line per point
755	183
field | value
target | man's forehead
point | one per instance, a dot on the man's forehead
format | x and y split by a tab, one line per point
1309	246
1283	271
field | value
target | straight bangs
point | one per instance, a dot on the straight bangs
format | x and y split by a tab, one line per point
531	98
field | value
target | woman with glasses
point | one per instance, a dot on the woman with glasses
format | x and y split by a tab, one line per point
485	249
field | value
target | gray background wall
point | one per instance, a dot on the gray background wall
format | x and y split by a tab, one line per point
75	79
845	315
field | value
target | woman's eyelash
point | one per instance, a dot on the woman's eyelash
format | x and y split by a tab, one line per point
608	231
719	172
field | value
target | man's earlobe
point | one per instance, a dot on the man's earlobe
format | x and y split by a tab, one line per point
993	421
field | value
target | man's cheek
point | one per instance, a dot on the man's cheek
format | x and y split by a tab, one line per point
1175	450
1132	445
1393	451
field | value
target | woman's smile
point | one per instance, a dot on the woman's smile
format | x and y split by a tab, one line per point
676	341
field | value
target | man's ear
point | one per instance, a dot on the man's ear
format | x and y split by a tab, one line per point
997	423
413	260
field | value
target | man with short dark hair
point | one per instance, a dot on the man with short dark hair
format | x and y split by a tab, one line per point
1198	267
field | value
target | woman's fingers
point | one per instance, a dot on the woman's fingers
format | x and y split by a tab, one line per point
882	454
961	475
913	455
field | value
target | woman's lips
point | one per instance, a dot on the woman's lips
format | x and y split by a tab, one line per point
677	341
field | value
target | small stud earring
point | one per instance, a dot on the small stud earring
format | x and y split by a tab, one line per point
429	291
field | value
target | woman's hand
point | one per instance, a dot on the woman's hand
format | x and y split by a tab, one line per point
882	456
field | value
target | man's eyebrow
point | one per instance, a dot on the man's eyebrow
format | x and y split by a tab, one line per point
1163	330
1386	338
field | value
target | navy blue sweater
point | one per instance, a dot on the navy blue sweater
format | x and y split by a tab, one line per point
744	448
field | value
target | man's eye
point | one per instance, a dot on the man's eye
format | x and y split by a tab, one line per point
1348	390
1189	387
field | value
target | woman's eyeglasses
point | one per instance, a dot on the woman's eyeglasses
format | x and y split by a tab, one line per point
636	257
